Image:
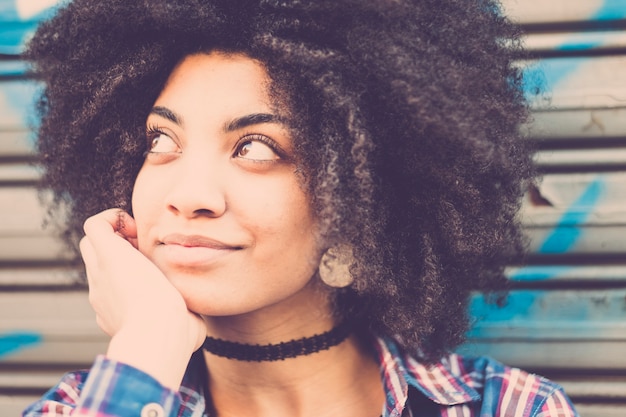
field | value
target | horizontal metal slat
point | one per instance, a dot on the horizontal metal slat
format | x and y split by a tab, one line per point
19	172
41	313
30	379
560	11
16	143
590	158
76	353
565	355
13	405
37	329
594	387
576	199
576	82
601	410
34	248
575	41
566	273
573	241
17	104
22	235
567	125
551	315
21	211
12	68
42	276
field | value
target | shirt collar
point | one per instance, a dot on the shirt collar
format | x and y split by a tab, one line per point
441	382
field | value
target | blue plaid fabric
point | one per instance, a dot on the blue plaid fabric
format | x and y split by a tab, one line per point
455	387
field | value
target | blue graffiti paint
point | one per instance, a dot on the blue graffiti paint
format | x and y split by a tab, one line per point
12	68
518	305
538	272
17	102
13	35
580	46
611	10
544	75
522	304
567	230
548	73
14	29
8	10
16	341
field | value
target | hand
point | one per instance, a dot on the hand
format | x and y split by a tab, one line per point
135	303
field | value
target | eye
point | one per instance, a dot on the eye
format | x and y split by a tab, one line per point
159	142
257	148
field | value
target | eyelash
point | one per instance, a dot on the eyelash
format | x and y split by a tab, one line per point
154	130
256	137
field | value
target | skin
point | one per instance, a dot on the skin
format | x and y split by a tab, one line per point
218	205
223	243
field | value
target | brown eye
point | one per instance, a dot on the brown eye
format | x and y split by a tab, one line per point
161	143
256	150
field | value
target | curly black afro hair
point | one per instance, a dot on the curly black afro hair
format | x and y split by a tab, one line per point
405	114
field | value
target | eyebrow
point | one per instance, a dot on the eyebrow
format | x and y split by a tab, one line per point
249	120
167	114
235	124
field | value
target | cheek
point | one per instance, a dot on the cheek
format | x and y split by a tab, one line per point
281	208
296	232
141	203
136	198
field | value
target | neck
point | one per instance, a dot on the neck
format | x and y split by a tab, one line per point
293	387
278	351
346	376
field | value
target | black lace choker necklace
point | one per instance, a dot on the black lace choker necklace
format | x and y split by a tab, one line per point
278	351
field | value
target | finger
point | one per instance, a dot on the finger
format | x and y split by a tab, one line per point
133	241
127	228
106	228
113	219
126	225
86	250
89	256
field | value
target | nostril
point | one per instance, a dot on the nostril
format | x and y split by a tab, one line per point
204	212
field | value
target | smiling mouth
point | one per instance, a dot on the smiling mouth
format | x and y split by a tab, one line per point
194	250
196	241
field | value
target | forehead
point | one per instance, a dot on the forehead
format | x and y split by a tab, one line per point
217	78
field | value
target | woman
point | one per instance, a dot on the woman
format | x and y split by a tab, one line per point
287	203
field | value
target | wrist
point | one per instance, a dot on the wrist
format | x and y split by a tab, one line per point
164	356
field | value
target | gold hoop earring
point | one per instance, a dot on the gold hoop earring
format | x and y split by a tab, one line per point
334	268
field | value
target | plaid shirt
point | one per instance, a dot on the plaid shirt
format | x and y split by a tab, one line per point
455	387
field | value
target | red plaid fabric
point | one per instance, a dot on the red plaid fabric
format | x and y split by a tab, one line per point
455	387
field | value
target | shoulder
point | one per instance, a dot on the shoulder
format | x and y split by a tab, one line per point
467	386
112	388
511	391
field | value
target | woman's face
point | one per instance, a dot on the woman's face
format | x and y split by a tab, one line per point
218	204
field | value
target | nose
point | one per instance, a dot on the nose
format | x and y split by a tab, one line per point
198	189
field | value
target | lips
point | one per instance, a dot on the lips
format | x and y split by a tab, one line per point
191	241
192	250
